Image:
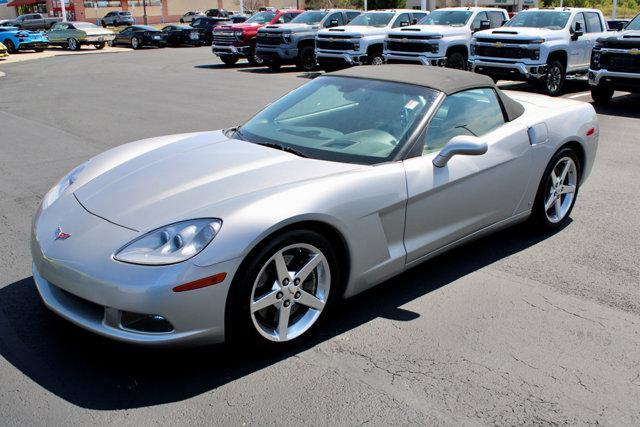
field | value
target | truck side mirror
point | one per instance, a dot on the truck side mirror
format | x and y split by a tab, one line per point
404	24
485	24
577	32
333	23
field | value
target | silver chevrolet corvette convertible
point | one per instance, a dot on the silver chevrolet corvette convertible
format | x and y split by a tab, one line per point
252	233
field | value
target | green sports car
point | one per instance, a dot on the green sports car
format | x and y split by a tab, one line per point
73	35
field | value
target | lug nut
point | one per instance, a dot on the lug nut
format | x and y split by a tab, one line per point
297	295
279	295
287	303
285	282
296	282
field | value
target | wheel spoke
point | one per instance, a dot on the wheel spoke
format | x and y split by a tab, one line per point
565	171
568	189
308	268
554	177
310	300
281	268
558	208
549	202
265	301
283	322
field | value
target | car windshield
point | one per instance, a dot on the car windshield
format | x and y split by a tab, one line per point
634	25
261	18
342	119
454	18
540	19
311	18
373	19
84	25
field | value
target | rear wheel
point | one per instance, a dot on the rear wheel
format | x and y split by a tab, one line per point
100	46
557	191
10	46
38	50
72	44
601	95
104	24
282	292
457	61
306	59
554	79
229	60
135	43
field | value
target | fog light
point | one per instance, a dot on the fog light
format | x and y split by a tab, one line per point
534	70
153	323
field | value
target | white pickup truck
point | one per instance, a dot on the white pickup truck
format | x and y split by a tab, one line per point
443	37
540	45
361	40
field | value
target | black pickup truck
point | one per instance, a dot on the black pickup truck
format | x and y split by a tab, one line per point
205	26
35	21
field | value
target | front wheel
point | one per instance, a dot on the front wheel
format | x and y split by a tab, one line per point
10	46
557	191
306	59
229	60
457	61
601	95
135	43
253	57
375	58
282	292
554	79
72	44
104	24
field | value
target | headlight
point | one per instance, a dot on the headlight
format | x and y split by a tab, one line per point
238	35
171	244
596	55
535	54
286	37
537	41
59	189
356	45
435	37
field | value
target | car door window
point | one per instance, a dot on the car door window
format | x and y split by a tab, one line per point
482	16
405	17
579	18
351	15
471	112
594	25
496	19
126	31
417	16
334	17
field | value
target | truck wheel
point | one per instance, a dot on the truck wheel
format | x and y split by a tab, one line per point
375	58
554	80
229	60
100	46
601	95
457	61
10	46
253	58
72	44
306	59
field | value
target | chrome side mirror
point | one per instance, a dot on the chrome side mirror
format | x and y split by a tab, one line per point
461	144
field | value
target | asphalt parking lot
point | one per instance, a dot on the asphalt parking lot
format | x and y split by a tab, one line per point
516	328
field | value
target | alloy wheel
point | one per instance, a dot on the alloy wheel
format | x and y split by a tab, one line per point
554	79
290	292
73	44
134	42
377	60
561	190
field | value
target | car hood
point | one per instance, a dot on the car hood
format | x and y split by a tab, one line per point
622	40
294	28
239	26
431	30
145	189
521	33
355	30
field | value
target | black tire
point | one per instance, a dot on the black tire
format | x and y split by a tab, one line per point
554	80
254	59
100	46
274	66
375	58
104	24
38	50
73	44
239	326
115	24
601	95
457	60
135	44
538	215
181	21
10	46
306	60
229	60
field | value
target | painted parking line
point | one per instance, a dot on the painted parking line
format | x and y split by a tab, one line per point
580	95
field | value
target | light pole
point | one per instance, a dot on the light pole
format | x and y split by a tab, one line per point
614	12
63	10
144	11
365	5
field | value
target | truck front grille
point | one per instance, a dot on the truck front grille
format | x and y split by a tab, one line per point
413	47
270	39
223	40
503	52
621	62
334	44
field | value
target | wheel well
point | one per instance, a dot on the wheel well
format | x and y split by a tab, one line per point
305	43
579	149
375	48
334	236
559	55
458	48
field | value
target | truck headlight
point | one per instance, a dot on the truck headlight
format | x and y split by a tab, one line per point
61	187
238	35
596	56
472	49
286	37
356	45
170	244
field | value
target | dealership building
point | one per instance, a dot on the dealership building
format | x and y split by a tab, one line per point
159	11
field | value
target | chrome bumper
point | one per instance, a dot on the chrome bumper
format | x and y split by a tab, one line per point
417	58
349	58
524	70
596	75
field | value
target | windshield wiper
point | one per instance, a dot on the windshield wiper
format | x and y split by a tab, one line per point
283	148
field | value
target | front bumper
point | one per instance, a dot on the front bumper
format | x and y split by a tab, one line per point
78	279
629	82
403	57
338	57
508	70
277	54
229	50
154	42
97	39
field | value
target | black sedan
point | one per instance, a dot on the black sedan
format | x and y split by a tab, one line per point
138	36
178	35
205	26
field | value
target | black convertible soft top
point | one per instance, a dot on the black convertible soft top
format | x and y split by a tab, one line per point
446	80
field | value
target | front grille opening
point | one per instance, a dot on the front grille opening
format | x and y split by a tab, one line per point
150	323
81	306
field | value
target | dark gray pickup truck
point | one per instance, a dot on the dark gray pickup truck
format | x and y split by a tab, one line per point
35	21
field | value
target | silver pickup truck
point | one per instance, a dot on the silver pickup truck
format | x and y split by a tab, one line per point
35	21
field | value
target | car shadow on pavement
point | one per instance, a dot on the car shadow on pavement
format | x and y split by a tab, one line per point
622	105
570	86
95	373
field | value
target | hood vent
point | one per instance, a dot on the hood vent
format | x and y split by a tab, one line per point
336	29
410	29
272	26
504	32
631	37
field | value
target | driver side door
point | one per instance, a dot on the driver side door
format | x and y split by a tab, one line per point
469	193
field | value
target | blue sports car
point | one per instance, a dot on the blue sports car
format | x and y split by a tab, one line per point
16	39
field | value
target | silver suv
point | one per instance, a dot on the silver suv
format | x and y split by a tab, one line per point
117	18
